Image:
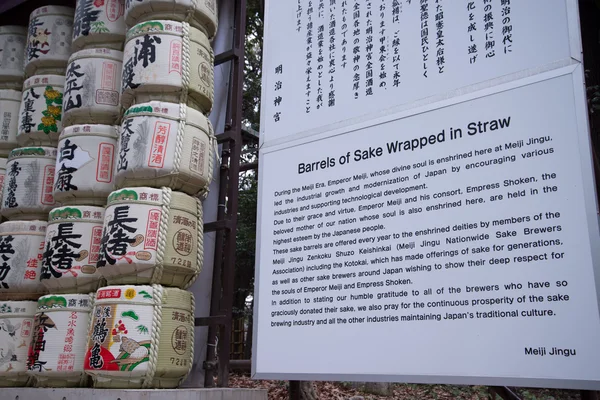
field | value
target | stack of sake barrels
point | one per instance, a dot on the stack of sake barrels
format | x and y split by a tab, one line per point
103	194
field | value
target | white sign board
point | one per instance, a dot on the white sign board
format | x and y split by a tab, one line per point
451	243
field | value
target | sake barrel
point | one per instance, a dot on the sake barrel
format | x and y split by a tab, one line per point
10	103
93	87
21	249
166	144
99	23
27	192
141	337
168	61
72	247
203	13
151	236
49	40
2	173
85	164
12	56
40	114
59	340
16	331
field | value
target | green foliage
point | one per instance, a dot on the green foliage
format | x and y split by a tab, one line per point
142	329
253	64
131	314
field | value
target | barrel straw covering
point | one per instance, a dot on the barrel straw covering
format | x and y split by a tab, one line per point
12	46
160	148
201	14
151	236
99	24
21	250
56	354
10	103
168	61
16	331
141	337
27	192
72	247
85	164
49	40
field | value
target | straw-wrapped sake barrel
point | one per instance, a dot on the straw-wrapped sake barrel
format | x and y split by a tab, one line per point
151	236
28	185
168	61
12	57
40	114
10	103
99	23
3	162
56	354
149	339
49	40
166	144
21	249
93	87
203	14
72	246
85	164
16	331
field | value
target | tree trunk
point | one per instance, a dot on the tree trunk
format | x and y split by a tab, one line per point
302	390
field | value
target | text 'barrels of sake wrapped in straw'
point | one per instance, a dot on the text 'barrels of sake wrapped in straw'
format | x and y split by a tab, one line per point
85	164
49	40
168	61
21	249
10	104
12	57
202	15
72	246
166	144
151	236
60	332
150	337
99	24
28	184
92	87
40	114
16	331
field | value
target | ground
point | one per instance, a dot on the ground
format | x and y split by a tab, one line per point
340	391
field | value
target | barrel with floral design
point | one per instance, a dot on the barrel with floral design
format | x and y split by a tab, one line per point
16	331
12	50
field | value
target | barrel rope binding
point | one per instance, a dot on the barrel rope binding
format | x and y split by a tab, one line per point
157	297
185	66
92	295
199	246
179	142
193	311
163	231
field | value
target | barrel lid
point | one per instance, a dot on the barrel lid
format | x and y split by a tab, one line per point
148	195
23	227
75	302
37	152
53	10
3	162
170	111
17	308
76	213
10	95
111	54
125	294
76	130
167	27
44	80
13	29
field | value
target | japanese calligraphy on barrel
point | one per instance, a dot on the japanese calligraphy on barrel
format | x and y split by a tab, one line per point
201	14
12	56
10	102
72	246
49	39
166	144
92	87
99	23
29	180
85	164
56	354
21	250
141	337
151	236
40	114
168	61
16	331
